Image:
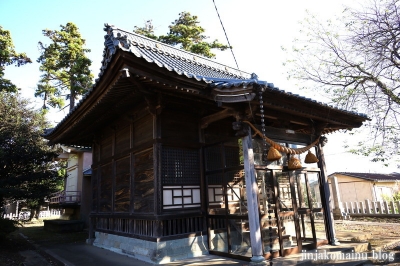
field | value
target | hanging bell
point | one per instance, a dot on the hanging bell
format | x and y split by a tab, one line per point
294	163
311	158
273	154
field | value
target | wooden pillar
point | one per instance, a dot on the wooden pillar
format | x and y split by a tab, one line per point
252	201
326	197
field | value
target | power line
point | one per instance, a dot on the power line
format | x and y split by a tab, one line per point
226	35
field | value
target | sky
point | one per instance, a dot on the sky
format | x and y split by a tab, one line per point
257	29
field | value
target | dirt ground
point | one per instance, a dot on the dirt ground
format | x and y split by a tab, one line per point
11	247
385	236
384	233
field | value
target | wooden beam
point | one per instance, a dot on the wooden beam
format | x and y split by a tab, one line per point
205	121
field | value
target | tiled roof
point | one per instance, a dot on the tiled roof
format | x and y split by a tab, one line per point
188	64
371	176
214	75
166	56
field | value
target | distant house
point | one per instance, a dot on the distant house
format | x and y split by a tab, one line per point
76	197
173	156
357	187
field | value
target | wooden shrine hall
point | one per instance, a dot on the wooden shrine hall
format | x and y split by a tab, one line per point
192	157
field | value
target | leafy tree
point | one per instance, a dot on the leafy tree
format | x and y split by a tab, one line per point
355	60
65	67
186	33
8	56
27	167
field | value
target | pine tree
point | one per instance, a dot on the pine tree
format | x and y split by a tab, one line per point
185	33
65	67
8	56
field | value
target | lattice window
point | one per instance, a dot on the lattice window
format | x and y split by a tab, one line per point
213	158
234	177
180	166
177	197
215	179
215	154
232	156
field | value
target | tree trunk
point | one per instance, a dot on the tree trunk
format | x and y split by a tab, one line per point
71	100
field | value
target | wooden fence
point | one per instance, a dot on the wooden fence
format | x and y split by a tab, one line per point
25	215
146	228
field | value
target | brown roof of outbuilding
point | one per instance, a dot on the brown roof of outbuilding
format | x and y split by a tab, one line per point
371	176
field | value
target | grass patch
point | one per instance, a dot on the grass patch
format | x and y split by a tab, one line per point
35	232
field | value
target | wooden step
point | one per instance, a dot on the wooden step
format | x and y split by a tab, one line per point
274	230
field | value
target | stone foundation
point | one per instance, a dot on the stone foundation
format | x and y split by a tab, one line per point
153	252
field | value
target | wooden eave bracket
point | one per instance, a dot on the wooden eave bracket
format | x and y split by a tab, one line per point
152	106
205	121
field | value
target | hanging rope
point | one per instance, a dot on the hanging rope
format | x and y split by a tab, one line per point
226	35
278	146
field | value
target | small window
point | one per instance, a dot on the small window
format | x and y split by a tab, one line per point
179	197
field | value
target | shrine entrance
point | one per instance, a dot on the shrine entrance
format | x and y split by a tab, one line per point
288	205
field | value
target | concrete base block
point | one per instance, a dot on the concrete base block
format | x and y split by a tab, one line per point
153	252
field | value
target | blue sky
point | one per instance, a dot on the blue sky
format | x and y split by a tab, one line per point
256	29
